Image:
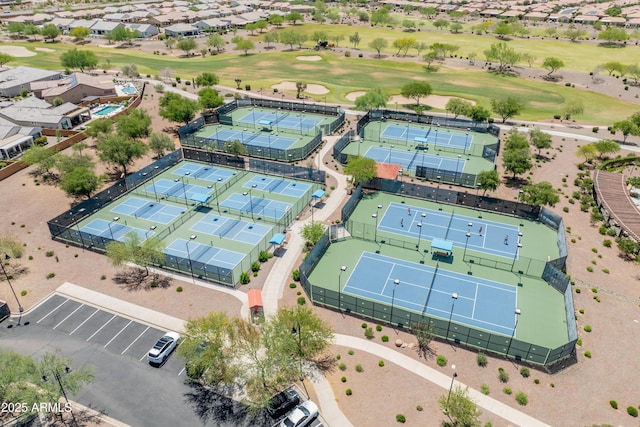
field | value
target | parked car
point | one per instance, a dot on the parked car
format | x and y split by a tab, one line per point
283	402
301	416
163	348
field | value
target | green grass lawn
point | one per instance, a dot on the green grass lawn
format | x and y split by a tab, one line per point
344	75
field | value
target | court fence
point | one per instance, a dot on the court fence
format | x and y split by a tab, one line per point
340	145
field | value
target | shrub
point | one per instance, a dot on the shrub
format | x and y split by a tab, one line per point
350	352
503	375
587	354
522	398
587	328
385	338
565	209
51	275
481	360
536	381
264	256
30	257
292	285
590	269
401	418
606	243
359	368
48	254
507	390
524	372
605	271
378	328
255	266
179	289
103	277
347	54
244	278
296	275
363	326
441	360
631	410
23	293
342	367
613	404
381	363
348	392
153	284
343	379
302	300
595	129
484	388
338	357
594	290
578	290
419	408
368	333
579	341
594	250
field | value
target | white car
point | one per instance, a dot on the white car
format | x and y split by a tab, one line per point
301	415
163	348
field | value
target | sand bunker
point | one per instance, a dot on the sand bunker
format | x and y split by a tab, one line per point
309	58
17	51
313	89
351	96
44	49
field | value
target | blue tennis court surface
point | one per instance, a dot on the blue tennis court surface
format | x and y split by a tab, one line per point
112	230
409	160
234	229
280	186
481	303
151	211
285	120
433	136
215	257
176	188
248	203
485	236
255	139
206	173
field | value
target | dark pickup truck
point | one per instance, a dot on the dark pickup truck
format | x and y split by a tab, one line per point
282	402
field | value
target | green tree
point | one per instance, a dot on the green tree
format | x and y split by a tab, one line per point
133	249
506	108
613	11
177	108
627	247
588	151
44	158
294	17
479	114
251	27
380	17
209	99
541	193
429	58
272	37
482	28
503	29
15	29
575	34
159	142
606	147
516	141
613	35
458	107
337	38
539	139
354	39
262	25
31	30
361	169
276	20
378	44
627	127
100	126
416	90
461	410
136	124
613	66
505	55
244	45
187	45
319	36
456	28
207	79
552	64
50	32
124	34
635	118
572	108
79	59
488	180
130	70
313	231
528	58
516	161
403	45
236	148
440	23
120	150
79	33
633	71
371	100
420	47
216	41
79	182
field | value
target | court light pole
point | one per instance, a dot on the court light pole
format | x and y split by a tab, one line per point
396	282
453	377
465	245
517	312
191	238
454	297
419	225
375	230
342	270
390	148
457	168
515	255
407	139
115	219
6	276
438	192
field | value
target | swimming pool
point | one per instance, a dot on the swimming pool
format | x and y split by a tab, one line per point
106	110
129	89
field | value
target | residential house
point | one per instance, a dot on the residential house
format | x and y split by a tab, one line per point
14	80
145	30
74	88
15	139
182	30
102	28
213	24
36	112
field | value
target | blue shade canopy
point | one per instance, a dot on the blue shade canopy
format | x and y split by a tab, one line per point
277	239
200	197
442	245
318	194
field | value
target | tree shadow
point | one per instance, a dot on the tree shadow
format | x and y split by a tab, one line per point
135	279
84	417
326	363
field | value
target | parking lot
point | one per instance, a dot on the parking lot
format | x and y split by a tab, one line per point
119	335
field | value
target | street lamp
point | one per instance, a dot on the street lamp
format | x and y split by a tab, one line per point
342	269
191	238
396	282
20	308
299	332
57	375
453	377
454	297
517	312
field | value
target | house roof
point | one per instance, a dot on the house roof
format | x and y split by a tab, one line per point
58	87
21	75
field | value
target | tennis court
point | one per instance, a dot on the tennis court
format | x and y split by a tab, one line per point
151	211
111	229
176	188
284	120
229	228
256	139
480	303
485	236
206	173
209	255
433	136
409	160
246	202
279	186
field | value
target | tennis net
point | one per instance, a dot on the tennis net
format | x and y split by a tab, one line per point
280	117
227	226
175	189
143	210
449	226
273	184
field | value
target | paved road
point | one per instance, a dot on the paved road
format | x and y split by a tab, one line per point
126	387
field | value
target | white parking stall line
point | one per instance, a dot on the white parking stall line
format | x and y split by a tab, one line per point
85	321
142	358
99	329
119	332
51	312
181	371
70	314
137	338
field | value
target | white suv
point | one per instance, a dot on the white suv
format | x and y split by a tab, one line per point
163	348
302	415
